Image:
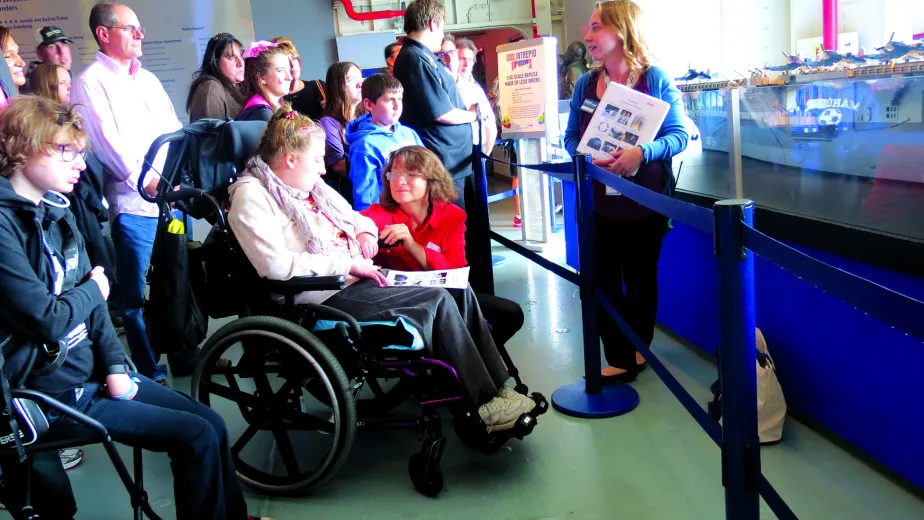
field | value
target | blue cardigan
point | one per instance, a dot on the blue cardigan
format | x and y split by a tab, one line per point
672	137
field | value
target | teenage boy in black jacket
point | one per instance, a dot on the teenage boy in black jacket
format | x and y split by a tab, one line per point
50	296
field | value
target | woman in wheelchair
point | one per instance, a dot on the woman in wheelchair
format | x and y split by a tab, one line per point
289	224
423	230
62	341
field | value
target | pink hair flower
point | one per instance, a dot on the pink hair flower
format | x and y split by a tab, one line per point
258	47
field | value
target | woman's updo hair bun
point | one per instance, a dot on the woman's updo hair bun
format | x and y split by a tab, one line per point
288	131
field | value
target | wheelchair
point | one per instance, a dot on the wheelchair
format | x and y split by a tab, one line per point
314	372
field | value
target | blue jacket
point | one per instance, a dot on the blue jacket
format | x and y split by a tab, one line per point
672	137
370	146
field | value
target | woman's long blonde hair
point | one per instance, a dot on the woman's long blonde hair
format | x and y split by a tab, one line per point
625	16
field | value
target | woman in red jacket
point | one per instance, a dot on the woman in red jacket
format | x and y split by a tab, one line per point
427	231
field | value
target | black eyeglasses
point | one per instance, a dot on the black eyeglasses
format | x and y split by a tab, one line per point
70	152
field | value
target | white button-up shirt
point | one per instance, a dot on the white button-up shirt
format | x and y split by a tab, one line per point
124	110
472	93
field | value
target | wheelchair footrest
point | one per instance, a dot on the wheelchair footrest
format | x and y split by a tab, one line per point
473	432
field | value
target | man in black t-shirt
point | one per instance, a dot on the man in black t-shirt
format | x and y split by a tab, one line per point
434	107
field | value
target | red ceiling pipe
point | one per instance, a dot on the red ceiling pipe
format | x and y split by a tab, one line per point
371	15
535	26
829	24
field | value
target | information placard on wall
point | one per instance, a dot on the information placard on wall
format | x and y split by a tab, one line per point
527	76
177	32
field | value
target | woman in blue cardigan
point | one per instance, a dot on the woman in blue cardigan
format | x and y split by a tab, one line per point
627	235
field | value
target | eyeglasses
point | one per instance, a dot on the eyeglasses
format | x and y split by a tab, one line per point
69	152
130	28
408	176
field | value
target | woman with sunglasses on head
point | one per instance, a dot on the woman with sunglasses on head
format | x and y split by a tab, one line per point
217	90
50	295
267	79
425	231
627	236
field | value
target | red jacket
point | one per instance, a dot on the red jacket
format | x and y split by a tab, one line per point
442	236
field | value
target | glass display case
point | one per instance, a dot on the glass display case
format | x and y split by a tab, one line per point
844	146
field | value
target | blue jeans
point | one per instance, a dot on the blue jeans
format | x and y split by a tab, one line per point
133	236
205	483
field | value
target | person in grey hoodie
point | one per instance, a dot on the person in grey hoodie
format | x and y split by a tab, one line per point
374	136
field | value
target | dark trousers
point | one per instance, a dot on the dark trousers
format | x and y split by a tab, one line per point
205	483
504	317
626	255
465	188
52	496
450	322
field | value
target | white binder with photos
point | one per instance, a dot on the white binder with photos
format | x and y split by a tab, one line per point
623	119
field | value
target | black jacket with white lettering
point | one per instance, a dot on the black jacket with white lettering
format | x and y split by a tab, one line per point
31	311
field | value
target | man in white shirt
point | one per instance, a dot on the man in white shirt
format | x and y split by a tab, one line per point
125	108
473	93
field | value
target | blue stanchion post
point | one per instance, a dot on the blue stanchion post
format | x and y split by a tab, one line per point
737	360
590	398
482	264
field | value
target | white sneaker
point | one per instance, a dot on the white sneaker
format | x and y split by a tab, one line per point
509	393
501	413
71	457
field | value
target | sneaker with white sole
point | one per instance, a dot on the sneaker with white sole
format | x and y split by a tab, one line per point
501	413
71	457
509	393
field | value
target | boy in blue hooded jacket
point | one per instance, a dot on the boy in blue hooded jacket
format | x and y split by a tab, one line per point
374	136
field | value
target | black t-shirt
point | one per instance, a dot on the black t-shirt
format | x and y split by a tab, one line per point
430	92
308	100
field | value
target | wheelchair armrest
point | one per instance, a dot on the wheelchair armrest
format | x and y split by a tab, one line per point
48	402
299	284
337	314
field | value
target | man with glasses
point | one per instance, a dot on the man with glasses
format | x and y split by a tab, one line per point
473	94
449	55
125	108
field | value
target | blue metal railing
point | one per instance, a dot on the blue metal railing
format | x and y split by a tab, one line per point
736	241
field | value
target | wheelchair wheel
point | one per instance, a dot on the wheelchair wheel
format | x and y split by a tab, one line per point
426	476
289	443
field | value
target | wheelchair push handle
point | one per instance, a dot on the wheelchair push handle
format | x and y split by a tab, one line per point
148	162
